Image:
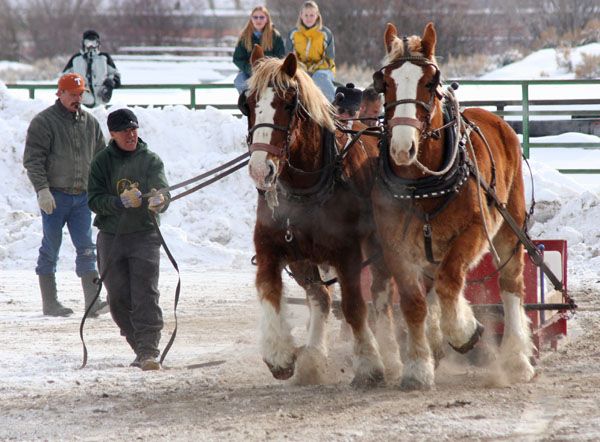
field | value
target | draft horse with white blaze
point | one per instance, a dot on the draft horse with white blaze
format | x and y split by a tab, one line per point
313	208
435	209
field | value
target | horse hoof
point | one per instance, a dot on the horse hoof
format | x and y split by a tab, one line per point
412	384
281	373
471	342
482	355
311	366
371	380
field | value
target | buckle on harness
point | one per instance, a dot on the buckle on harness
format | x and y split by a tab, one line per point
427	230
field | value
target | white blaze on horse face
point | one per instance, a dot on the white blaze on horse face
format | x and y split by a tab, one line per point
262	169
404	137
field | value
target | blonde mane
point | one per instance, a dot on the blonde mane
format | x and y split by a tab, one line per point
397	50
268	73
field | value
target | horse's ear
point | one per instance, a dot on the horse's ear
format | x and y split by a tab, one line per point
388	37
257	54
428	40
290	65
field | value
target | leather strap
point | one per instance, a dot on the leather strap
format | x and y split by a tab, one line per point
405	121
265	147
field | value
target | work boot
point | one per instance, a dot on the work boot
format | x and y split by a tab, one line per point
90	289
50	304
148	363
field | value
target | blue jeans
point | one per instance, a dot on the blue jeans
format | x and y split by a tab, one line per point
324	81
240	81
73	211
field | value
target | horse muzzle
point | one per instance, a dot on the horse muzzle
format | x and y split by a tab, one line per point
263	170
403	155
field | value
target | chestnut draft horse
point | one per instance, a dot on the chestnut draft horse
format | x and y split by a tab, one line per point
313	208
435	212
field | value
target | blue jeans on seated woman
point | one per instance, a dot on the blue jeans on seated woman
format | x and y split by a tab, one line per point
73	211
324	80
240	81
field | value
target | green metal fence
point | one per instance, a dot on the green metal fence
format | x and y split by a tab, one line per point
523	106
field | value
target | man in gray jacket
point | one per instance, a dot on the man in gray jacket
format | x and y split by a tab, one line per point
61	142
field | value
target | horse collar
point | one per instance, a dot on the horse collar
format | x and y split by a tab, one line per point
430	186
323	189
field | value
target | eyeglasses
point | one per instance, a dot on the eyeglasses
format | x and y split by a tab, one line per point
259	17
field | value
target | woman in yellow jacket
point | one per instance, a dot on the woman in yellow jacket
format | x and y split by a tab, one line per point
314	46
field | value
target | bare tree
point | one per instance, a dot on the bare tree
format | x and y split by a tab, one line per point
569	16
52	24
152	22
10	22
551	22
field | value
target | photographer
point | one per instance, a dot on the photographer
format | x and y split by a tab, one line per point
98	69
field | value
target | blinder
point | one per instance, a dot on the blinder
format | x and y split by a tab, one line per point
379	81
293	106
243	104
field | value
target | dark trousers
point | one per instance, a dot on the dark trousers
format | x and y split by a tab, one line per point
132	286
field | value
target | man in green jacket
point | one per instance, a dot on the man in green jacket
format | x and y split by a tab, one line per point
128	244
61	141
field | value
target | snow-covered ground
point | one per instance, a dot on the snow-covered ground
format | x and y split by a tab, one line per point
210	234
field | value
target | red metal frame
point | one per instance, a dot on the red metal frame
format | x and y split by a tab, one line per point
483	288
545	331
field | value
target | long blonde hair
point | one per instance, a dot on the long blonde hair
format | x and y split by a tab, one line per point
310	4
266	40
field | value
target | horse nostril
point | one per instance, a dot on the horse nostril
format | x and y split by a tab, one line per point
270	178
413	150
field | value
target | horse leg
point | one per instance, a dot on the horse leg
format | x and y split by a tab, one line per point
368	367
418	372
433	330
382	291
516	348
457	321
276	341
311	360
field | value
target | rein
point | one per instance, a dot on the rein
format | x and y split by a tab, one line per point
236	163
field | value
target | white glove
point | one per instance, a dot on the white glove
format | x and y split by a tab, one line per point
46	201
131	198
156	202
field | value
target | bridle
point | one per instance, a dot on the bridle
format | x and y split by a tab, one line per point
280	152
434	88
326	176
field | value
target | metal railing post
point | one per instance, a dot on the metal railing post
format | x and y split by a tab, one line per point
193	97
525	109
